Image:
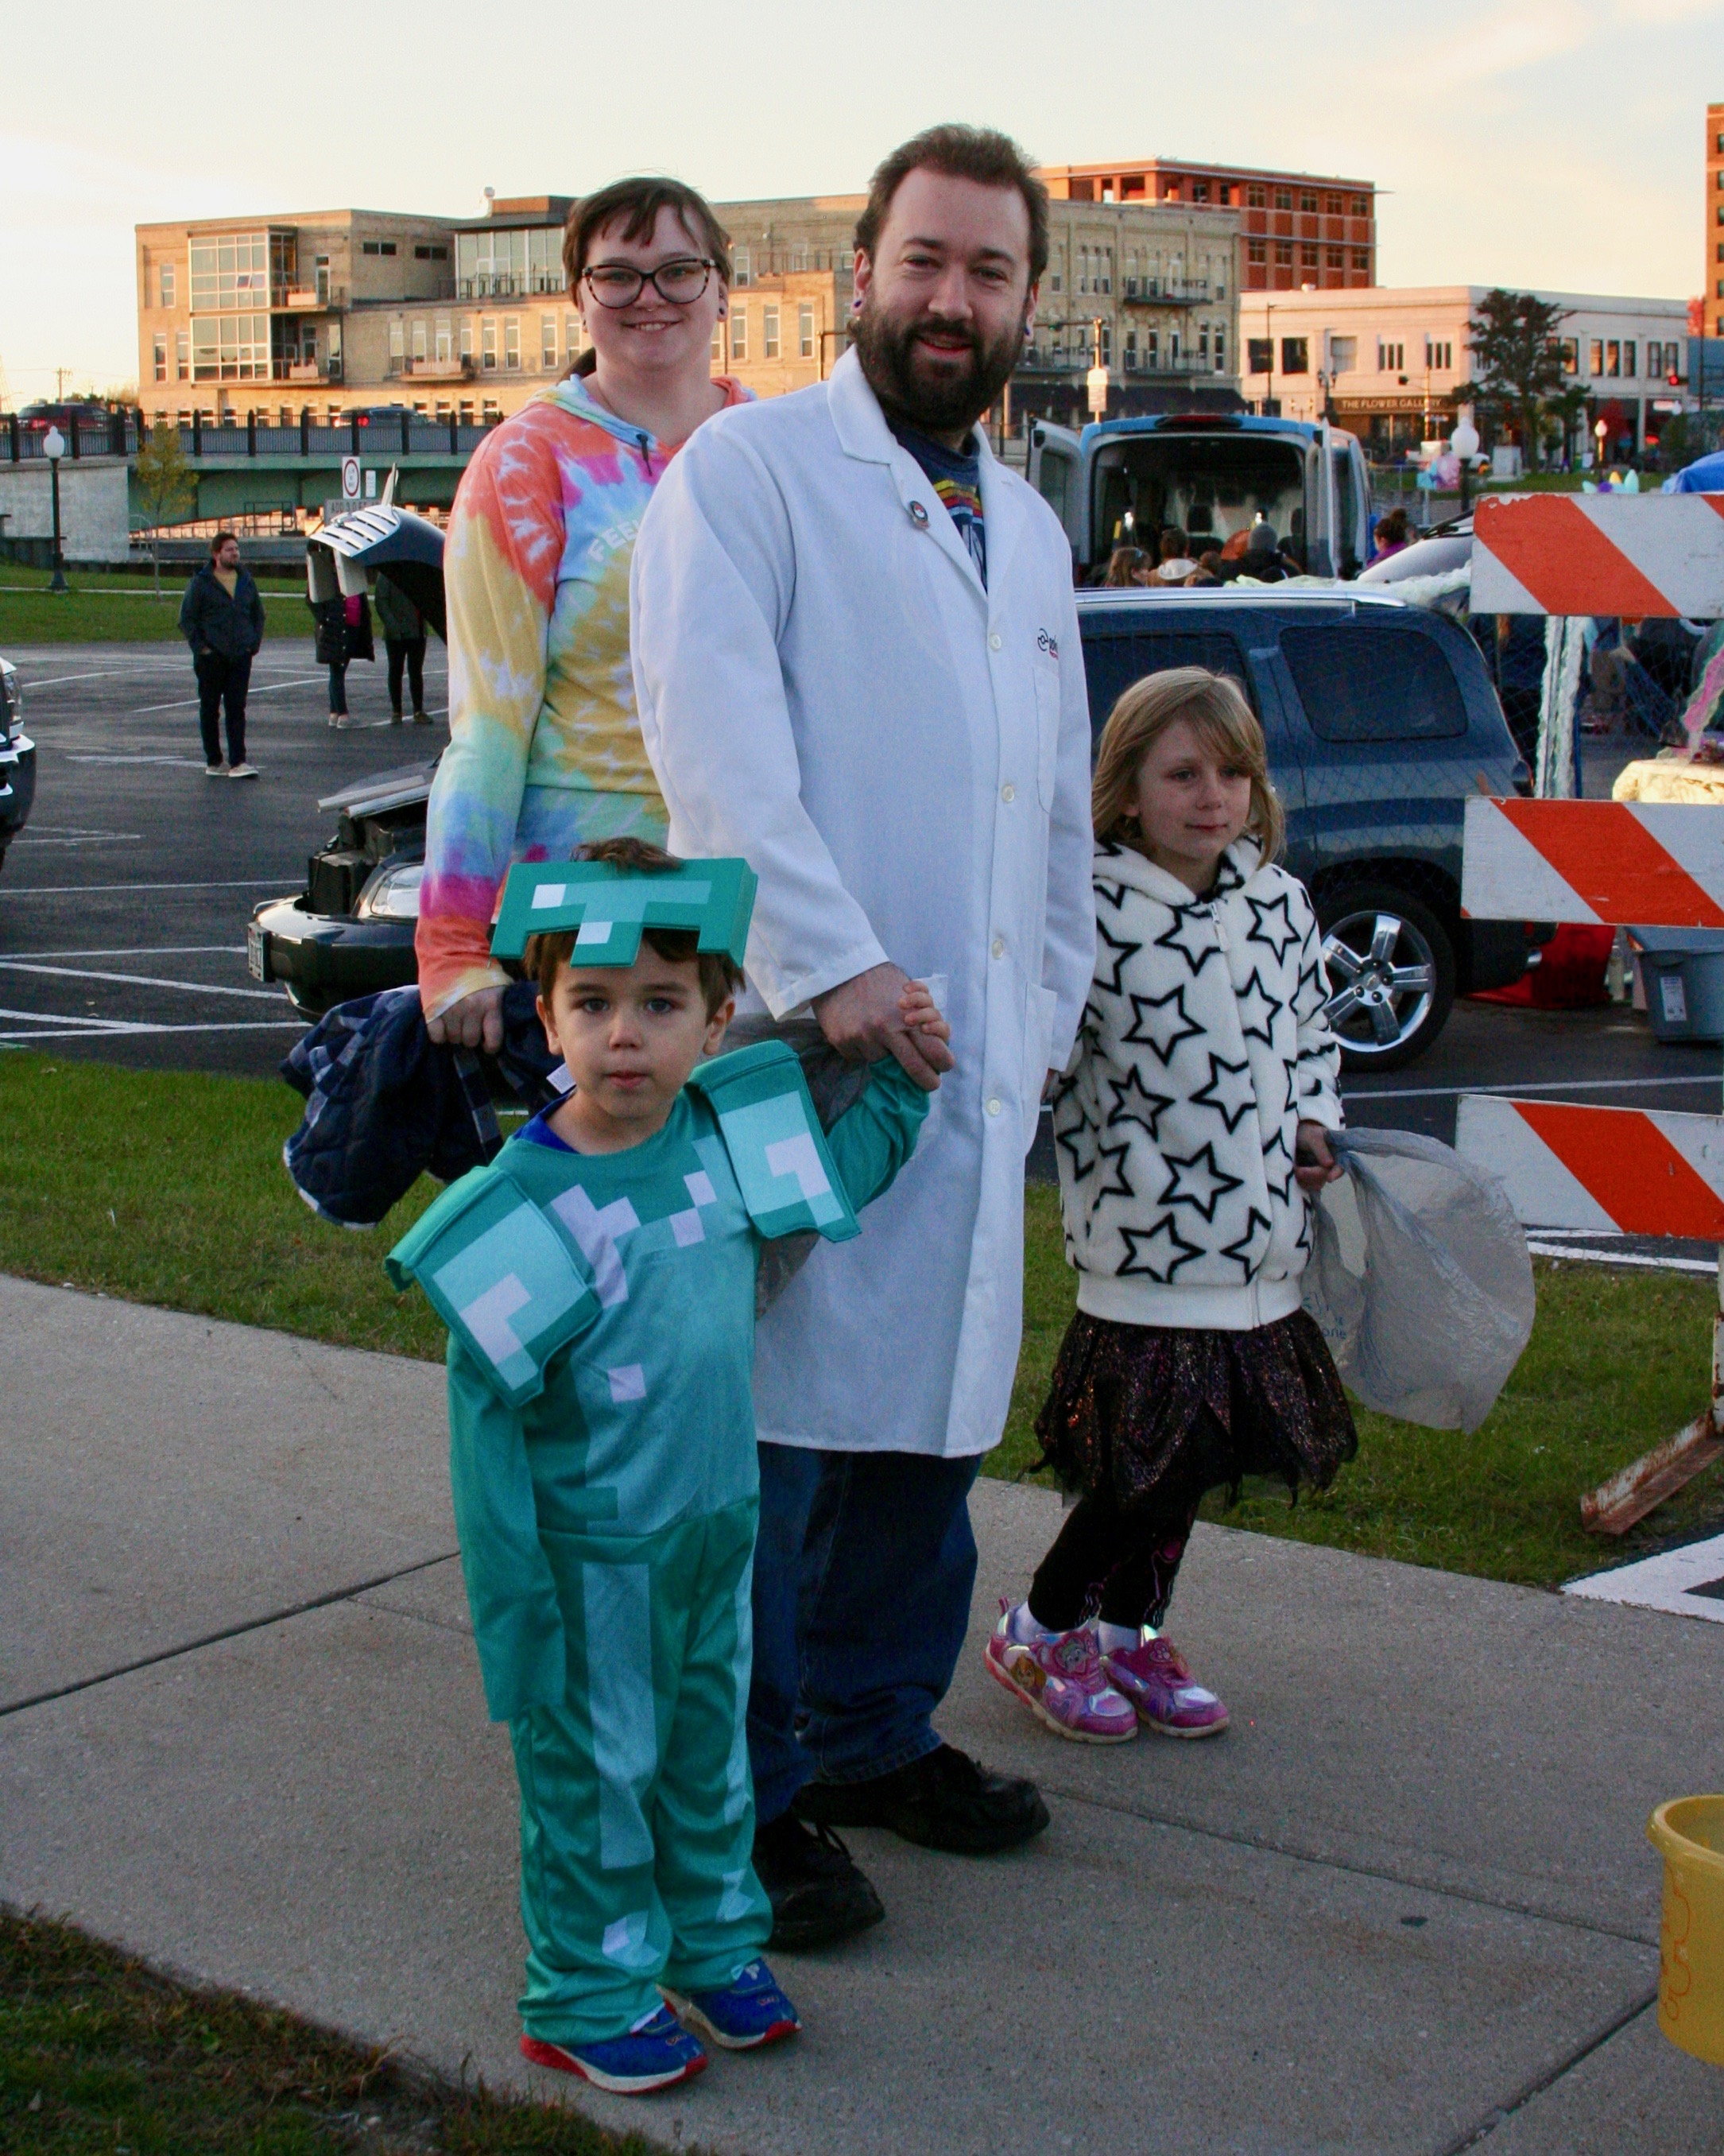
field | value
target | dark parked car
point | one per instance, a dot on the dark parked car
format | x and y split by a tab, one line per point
1381	720
17	759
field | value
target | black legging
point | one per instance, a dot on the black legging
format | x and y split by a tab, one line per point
222	681
338	688
414	655
1119	1567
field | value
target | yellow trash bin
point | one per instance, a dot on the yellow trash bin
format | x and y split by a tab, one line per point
1688	1832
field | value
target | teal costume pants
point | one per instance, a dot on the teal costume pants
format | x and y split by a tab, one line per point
637	1813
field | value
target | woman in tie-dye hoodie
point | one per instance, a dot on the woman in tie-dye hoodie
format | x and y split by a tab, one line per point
545	750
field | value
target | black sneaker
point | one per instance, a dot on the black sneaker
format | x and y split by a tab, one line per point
818	1894
945	1801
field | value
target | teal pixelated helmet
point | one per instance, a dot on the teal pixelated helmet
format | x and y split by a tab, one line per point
607	905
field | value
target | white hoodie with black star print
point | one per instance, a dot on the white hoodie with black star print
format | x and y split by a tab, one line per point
1203	1046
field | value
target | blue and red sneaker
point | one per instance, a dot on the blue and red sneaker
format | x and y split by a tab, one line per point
748	2011
653	2055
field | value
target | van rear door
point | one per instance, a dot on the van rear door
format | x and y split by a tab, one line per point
1055	470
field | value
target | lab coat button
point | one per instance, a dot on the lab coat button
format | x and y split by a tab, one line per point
999	946
1008	794
993	1105
994	641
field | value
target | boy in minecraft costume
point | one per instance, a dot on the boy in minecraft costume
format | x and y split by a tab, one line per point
597	1279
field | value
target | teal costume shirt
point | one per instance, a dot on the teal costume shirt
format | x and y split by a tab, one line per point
602	1456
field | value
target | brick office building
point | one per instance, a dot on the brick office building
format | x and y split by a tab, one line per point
1712	285
1297	228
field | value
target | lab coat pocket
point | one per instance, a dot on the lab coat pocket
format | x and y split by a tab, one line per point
1047	727
1038	1046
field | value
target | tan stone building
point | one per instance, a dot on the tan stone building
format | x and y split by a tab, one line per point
337	310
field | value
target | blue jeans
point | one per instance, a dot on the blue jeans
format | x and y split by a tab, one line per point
862	1580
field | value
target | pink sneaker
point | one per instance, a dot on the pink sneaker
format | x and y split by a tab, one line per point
1156	1679
1061	1681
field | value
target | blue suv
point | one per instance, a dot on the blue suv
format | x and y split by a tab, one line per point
1381	720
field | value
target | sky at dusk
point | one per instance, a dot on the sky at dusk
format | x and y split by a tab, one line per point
1556	143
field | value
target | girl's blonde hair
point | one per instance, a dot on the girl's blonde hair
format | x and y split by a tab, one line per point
1226	725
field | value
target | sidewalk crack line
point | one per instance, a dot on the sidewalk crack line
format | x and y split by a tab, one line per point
1566	2065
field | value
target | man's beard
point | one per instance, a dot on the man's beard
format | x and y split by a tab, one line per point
887	350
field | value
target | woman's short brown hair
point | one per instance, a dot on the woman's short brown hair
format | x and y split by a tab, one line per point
546	956
1225	724
635	205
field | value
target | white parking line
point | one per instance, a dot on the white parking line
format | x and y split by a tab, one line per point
190	703
89	755
84	890
59	1017
113	1030
145	951
137	980
1540	1085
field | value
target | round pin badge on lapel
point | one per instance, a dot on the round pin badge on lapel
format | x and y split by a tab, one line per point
918	515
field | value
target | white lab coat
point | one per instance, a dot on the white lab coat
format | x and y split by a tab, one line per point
826	689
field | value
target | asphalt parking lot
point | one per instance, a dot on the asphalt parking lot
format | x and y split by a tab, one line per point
123	906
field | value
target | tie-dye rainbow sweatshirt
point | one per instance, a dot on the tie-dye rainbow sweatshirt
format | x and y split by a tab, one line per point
545	750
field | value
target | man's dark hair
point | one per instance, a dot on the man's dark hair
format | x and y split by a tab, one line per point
980	154
546	956
220	541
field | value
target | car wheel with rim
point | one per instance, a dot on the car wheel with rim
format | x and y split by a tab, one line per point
1391	967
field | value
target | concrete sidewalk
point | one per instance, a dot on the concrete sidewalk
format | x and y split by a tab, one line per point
1405	1904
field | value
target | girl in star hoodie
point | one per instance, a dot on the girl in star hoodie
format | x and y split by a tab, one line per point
1190	1130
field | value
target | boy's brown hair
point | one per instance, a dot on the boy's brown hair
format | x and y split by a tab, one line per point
547	956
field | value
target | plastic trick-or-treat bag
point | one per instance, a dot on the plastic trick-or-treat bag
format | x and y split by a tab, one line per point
1419	1279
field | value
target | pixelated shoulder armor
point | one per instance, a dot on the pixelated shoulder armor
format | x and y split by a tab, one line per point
501	1275
777	1151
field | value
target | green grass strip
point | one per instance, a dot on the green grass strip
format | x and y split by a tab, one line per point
167	1187
101	2056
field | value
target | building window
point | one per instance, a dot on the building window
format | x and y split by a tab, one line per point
1220	351
1202	341
1391	358
488	344
1151	350
739	333
1256	198
511	344
230	347
165	281
1629	358
1307	255
1331	206
1613	359
182	354
740	262
1284	197
1439	355
227	269
376	247
1595	357
1200	191
1284	253
1334	258
548	342
445	345
1308	202
1295	355
1259	355
1361	206
1104	264
1343	355
420	343
1568	355
798	259
769	330
398	346
571	334
159	355
805	332
334	351
1256	251
431	255
1362	258
715	350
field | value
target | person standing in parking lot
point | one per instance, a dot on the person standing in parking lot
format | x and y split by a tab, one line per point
222	618
343	634
404	628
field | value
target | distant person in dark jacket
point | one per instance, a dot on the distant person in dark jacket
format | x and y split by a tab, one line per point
222	618
404	628
343	635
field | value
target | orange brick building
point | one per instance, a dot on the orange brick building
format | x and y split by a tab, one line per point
1713	286
1298	228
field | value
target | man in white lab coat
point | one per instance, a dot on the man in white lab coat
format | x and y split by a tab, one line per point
857	664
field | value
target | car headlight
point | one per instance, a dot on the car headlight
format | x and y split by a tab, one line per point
392	893
11	689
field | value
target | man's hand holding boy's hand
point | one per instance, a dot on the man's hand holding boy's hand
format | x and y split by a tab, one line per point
864	1021
920	1015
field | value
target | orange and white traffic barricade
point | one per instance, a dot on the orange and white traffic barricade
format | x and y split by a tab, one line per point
1636	1172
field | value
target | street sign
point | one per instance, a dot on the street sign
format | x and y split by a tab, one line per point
350	478
1097	380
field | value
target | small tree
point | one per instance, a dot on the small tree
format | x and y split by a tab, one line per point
1517	361
167	488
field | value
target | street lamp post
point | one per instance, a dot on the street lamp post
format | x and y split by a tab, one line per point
1601	432
54	447
1465	442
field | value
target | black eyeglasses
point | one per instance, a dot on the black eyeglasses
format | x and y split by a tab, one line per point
681	282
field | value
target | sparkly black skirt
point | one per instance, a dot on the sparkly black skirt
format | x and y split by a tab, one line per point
1135	1411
